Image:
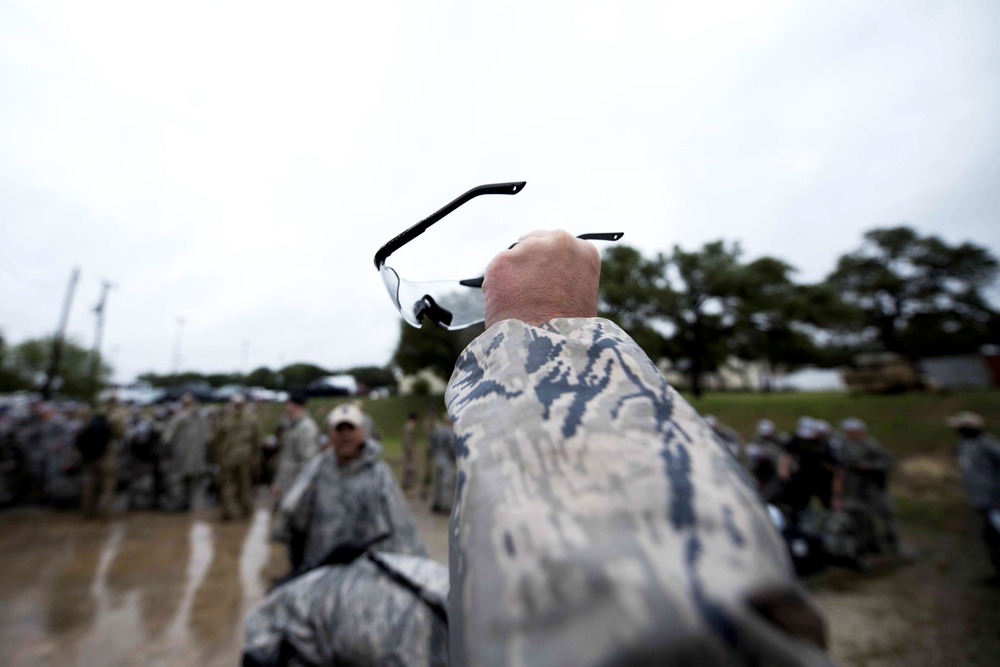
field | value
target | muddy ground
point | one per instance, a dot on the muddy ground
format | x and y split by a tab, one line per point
163	590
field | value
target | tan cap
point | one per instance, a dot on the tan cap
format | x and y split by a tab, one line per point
238	399
346	413
965	420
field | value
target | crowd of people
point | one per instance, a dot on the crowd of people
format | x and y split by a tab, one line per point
844	469
181	456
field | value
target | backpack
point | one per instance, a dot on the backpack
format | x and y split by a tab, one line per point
93	440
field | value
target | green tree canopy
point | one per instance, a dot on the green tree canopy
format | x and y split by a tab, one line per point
920	294
432	347
28	362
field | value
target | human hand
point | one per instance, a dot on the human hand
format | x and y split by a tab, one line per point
547	274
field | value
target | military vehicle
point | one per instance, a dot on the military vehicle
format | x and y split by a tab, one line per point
884	373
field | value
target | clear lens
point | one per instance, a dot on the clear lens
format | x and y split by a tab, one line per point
391	281
463	304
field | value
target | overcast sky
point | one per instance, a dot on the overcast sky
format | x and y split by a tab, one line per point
238	164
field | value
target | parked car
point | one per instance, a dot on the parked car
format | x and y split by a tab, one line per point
226	392
266	395
333	385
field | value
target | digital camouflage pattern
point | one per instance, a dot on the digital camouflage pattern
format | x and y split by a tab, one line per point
598	521
381	609
299	444
340	504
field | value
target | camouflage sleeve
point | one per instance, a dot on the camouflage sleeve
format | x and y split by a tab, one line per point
598	521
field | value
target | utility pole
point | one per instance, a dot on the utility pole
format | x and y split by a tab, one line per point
95	362
60	337
177	346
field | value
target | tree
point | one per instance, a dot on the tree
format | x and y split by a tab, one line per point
301	374
432	347
919	293
779	321
636	296
9	379
703	312
262	377
373	377
29	361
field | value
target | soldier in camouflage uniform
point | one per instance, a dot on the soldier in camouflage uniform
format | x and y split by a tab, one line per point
100	476
300	443
979	463
598	521
866	465
237	440
346	495
185	462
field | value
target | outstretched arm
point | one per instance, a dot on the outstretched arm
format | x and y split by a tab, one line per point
597	519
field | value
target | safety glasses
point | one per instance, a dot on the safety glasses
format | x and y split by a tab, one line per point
452	304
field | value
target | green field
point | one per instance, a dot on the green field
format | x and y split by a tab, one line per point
909	425
924	484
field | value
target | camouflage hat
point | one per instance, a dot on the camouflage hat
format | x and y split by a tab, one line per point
346	413
965	419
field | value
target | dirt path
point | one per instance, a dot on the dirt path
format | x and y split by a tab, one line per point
940	609
163	590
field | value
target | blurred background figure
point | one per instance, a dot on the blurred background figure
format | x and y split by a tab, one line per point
866	465
300	443
763	454
237	441
185	460
140	466
808	468
442	445
979	463
99	444
430	424
410	445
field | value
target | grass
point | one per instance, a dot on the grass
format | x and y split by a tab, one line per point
924	484
908	424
